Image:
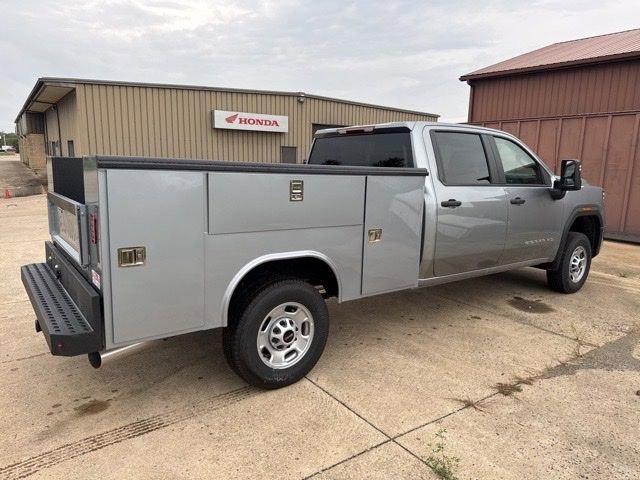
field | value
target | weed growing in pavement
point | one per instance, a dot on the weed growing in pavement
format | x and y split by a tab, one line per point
524	380
467	402
508	389
580	341
443	465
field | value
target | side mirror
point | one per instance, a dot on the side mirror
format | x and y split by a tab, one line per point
570	176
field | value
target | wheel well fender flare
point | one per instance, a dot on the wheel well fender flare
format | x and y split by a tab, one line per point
256	262
579	211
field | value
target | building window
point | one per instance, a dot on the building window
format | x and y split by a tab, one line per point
70	150
288	154
53	149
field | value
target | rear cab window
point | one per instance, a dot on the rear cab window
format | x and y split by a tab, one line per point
377	149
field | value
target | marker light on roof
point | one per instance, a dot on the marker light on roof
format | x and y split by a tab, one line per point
343	131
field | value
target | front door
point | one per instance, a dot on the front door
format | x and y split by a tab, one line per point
533	230
472	210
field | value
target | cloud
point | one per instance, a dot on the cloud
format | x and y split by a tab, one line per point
393	52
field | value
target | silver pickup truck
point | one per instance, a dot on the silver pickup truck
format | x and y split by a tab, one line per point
145	248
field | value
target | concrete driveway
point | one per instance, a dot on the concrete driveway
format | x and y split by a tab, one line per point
501	377
18	180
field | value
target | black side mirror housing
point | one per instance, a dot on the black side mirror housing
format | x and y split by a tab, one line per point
570	178
570	175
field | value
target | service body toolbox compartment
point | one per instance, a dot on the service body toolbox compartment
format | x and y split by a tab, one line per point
149	248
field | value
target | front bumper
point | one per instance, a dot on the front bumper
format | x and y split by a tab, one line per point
67	307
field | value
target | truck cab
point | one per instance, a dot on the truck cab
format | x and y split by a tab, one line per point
490	202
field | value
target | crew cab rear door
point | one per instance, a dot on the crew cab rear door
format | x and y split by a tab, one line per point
471	209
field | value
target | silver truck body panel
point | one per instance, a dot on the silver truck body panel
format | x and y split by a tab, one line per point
255	202
105	259
472	236
394	205
203	231
164	212
339	247
532	227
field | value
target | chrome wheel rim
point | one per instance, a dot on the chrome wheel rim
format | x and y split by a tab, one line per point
578	264
285	335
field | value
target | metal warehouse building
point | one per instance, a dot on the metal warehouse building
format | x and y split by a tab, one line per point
577	99
75	117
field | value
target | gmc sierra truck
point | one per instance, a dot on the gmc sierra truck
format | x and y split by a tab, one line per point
148	248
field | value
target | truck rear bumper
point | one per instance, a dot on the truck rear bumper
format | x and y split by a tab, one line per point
67	307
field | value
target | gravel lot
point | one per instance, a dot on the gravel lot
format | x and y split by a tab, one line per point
526	382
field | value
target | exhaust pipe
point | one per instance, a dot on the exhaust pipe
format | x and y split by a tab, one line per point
96	358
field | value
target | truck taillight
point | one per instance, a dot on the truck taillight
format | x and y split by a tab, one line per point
93	228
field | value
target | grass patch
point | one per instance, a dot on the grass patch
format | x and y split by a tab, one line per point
438	461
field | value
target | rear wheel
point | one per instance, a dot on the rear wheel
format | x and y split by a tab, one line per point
574	265
276	337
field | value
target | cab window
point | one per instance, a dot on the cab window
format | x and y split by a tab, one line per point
369	150
461	158
519	167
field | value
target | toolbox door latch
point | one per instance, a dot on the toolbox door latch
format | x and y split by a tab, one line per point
132	256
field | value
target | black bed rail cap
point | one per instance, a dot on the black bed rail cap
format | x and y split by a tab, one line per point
148	163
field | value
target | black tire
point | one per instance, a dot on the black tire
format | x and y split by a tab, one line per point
560	279
240	336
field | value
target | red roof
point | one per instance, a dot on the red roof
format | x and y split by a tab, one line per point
602	48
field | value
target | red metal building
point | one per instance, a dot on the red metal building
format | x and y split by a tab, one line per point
576	99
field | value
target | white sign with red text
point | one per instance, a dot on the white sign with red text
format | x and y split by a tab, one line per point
250	121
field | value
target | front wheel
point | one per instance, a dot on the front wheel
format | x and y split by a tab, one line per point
574	265
275	338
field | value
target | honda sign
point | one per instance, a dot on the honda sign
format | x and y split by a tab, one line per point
250	121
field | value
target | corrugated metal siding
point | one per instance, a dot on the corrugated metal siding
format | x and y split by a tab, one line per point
591	113
607	145
172	122
593	89
61	124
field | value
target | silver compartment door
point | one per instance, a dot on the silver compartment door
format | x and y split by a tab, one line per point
394	213
162	211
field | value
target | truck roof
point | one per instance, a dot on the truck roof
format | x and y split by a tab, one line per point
401	125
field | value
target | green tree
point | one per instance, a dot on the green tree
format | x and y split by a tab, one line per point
10	138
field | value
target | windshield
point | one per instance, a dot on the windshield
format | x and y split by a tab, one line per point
367	150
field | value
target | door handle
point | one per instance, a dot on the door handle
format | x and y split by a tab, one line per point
452	203
517	201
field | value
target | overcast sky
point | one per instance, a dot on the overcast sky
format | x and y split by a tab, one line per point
399	53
